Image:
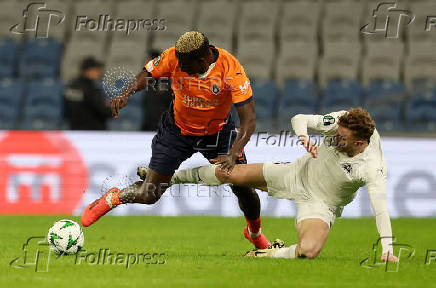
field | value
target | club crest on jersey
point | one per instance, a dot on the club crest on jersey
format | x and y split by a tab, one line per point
215	89
328	120
347	167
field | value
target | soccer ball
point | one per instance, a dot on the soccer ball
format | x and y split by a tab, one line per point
65	237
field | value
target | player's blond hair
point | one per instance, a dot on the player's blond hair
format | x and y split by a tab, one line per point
190	41
359	121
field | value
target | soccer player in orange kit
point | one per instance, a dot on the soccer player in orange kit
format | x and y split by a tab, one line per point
206	82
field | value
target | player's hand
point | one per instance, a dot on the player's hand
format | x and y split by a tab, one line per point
225	162
392	258
117	103
310	146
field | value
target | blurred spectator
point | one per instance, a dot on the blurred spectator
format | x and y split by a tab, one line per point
157	100
85	104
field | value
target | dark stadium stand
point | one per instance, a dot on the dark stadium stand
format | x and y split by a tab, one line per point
302	57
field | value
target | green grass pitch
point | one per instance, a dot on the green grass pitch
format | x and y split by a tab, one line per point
207	252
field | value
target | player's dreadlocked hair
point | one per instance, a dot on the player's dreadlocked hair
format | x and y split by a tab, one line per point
359	121
193	45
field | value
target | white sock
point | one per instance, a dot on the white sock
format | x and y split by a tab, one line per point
286	252
199	175
185	176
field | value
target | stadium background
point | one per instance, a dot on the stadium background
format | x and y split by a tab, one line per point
301	56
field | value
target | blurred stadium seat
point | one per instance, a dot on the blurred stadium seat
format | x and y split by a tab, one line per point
265	97
11	13
340	61
75	52
178	15
256	25
8	57
299	22
420	63
133	9
299	97
421	108
296	60
302	46
256	31
216	20
43	107
385	101
41	59
383	61
130	119
256	58
341	94
11	97
340	21
120	55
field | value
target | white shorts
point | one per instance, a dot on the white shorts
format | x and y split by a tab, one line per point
283	182
315	208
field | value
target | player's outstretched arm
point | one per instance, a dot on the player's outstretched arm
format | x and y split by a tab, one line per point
134	86
300	123
323	124
377	196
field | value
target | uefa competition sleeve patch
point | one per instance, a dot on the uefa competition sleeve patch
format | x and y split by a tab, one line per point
149	66
328	120
156	62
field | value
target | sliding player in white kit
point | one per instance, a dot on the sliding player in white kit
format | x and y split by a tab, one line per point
321	182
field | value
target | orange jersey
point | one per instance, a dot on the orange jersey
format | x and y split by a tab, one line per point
202	103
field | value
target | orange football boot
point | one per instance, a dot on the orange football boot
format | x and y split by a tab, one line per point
100	207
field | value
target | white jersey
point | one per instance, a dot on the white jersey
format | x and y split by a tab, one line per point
334	177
